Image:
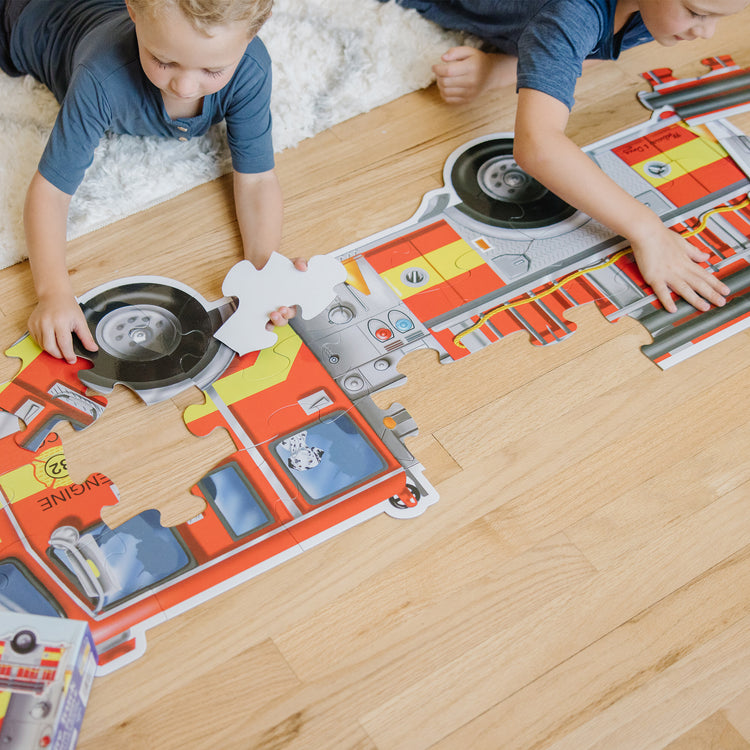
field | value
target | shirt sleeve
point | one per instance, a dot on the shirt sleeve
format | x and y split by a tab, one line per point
83	119
554	45
248	118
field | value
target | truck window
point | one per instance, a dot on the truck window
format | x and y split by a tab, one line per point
109	565
234	500
21	592
328	457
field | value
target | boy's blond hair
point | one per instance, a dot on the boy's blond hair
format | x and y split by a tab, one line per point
206	14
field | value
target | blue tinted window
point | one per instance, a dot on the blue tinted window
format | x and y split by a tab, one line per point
19	594
329	457
134	557
238	506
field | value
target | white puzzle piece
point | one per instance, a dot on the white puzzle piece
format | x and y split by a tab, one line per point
278	284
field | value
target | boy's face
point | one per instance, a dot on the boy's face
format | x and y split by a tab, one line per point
672	21
183	63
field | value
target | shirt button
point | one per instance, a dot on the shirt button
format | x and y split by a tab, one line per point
182	138
184	130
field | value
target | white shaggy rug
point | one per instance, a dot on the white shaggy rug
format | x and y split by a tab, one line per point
332	59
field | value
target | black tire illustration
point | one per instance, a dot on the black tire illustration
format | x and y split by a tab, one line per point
24	642
397	502
496	191
150	335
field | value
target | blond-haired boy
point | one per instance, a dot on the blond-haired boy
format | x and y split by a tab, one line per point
170	68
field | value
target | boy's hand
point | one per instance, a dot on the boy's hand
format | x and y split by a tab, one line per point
465	72
284	314
668	262
53	322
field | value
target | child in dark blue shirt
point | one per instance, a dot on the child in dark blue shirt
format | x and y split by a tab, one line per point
170	69
541	45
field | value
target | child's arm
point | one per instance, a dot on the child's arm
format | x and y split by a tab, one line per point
57	314
666	260
259	206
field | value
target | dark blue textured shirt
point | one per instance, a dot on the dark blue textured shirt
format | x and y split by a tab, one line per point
550	38
86	52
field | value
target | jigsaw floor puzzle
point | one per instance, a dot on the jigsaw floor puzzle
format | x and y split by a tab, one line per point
490	254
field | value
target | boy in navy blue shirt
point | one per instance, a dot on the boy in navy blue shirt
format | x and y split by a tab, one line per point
170	69
541	46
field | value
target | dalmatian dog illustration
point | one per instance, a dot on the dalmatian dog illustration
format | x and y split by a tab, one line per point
302	456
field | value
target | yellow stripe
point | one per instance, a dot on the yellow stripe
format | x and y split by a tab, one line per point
4	701
674	170
94	568
708	138
31	478
393	277
682	159
696	154
19	484
26	350
455	258
439	265
271	368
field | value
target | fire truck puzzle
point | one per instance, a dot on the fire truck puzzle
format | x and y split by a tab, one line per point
490	254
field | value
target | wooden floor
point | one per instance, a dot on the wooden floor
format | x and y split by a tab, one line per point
584	581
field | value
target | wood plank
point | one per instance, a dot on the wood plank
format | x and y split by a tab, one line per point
738	713
656	713
613	668
714	733
427	593
560	630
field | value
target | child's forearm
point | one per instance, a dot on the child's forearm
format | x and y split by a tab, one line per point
548	155
45	223
58	315
259	207
572	176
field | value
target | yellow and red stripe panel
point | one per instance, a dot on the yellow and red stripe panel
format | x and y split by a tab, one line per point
51	657
433	270
247	376
684	164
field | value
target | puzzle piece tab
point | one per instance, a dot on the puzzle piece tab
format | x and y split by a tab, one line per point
278	284
45	392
